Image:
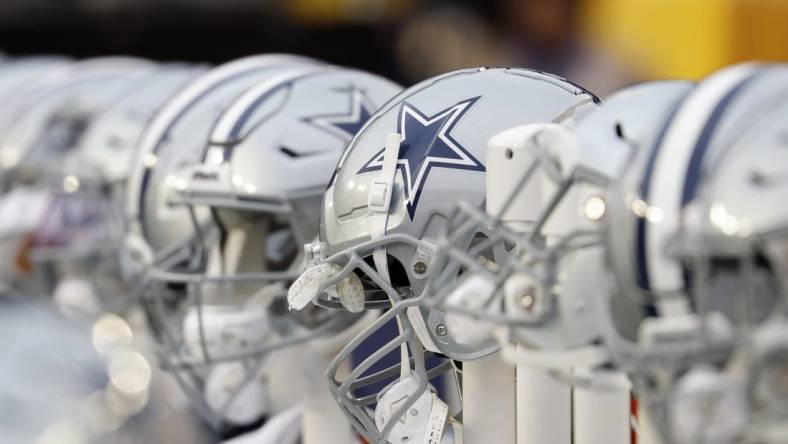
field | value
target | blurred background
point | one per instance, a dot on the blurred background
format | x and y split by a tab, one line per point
602	44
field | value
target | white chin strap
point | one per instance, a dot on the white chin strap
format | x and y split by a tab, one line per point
423	423
239	398
380	193
707	407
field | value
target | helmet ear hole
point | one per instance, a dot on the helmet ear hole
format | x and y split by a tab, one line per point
398	277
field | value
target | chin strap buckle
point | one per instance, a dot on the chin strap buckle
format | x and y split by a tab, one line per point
381	189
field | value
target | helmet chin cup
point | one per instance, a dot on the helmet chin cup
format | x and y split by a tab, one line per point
212	331
76	296
706	406
473	293
423	421
235	395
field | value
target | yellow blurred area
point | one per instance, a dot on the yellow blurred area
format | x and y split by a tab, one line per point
688	38
334	11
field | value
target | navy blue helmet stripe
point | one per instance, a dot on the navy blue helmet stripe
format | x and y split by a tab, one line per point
645	186
693	174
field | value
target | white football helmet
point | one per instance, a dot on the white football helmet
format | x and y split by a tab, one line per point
47	123
391	197
261	178
696	245
78	245
16	75
163	237
546	292
49	120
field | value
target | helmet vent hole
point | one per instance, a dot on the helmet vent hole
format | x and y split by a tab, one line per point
619	130
508	153
289	151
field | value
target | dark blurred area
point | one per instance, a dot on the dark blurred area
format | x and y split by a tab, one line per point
406	40
601	44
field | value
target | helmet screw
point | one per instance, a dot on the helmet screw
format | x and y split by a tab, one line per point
414	412
419	267
441	330
528	298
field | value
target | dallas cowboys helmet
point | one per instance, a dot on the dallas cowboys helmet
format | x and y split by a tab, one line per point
77	243
49	121
180	130
547	291
391	197
698	257
263	175
17	74
162	235
46	124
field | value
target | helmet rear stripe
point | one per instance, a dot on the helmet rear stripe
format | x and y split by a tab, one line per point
684	140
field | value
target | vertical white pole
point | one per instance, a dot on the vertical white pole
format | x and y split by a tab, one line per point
548	411
322	421
488	387
603	416
544	408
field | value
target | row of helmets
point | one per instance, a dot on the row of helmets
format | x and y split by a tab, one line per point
277	218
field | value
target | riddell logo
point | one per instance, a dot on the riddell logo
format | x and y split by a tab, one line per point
206	176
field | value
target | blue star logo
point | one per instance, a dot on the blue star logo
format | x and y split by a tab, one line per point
346	124
426	143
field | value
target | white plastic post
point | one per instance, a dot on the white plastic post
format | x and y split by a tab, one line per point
603	416
547	410
544	408
488	387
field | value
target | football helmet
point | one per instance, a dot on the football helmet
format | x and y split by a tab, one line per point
549	217
262	178
391	197
49	120
77	246
179	129
163	237
695	245
48	123
16	74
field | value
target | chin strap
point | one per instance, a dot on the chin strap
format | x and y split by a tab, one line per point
380	193
425	420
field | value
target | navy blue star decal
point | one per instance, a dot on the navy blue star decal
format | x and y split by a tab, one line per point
426	143
346	124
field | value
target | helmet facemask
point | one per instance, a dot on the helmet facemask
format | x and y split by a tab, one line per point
217	301
350	280
518	279
736	340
